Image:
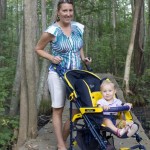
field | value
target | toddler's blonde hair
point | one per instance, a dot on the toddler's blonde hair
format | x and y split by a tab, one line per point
107	82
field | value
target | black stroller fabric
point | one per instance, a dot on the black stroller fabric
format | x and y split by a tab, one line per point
84	96
86	141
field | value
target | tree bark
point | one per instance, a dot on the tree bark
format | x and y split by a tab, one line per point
30	13
23	124
3	6
114	37
17	81
149	17
131	46
139	44
45	62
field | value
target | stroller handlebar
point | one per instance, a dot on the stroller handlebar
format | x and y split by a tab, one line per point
118	109
88	68
88	65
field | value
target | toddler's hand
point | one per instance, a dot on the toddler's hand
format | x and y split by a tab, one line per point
106	107
128	104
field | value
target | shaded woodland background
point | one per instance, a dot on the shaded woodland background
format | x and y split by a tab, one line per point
116	37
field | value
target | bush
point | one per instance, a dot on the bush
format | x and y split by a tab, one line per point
140	89
8	131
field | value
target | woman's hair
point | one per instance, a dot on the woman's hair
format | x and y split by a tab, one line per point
59	6
63	1
107	82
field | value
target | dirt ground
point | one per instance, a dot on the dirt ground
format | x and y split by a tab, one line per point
46	139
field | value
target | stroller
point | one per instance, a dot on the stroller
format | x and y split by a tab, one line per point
83	90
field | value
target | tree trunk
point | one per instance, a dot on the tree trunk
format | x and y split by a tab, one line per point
139	44
2	18
132	7
29	76
3	4
23	128
114	37
43	74
149	17
131	46
30	13
17	81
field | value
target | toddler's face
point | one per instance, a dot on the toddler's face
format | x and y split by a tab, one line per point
108	92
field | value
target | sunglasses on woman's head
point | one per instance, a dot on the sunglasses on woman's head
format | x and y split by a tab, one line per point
65	1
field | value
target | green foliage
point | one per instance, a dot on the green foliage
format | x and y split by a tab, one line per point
8	126
8	53
8	56
106	58
106	46
140	88
6	84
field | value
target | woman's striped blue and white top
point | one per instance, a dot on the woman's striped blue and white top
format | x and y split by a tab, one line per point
68	48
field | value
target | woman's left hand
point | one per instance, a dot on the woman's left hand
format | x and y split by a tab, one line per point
87	60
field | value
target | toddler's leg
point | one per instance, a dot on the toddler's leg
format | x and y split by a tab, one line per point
117	131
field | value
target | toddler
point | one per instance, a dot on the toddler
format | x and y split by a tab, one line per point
108	91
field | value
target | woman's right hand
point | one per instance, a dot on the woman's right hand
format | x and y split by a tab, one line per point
56	59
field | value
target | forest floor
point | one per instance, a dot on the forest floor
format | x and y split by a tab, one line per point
46	139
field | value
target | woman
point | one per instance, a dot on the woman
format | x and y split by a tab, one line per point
66	40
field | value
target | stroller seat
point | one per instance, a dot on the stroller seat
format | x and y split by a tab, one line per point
83	89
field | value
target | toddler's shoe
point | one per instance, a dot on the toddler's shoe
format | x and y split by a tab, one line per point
121	132
133	128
